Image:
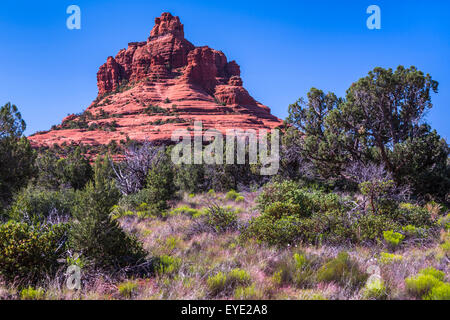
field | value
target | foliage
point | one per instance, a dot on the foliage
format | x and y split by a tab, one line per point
186	210
393	239
439	292
411	214
342	270
234	196
224	282
445	222
74	171
166	264
94	234
28	252
374	290
379	121
376	191
309	200
433	272
298	269
388	258
36	204
127	289
247	293
221	219
421	284
160	186
16	155
31	293
190	177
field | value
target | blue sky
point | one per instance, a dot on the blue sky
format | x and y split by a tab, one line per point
283	47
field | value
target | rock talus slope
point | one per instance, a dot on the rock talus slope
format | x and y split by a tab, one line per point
157	86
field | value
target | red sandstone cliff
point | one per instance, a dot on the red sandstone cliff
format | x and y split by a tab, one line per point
152	88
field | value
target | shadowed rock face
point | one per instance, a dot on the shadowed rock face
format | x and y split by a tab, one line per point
152	88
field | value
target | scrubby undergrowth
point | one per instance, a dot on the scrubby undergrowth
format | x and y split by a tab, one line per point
202	251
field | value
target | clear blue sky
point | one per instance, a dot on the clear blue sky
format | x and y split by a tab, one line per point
284	47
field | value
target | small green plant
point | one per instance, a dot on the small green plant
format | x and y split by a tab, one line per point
342	270
167	265
374	290
298	270
128	289
186	210
247	293
31	293
238	276
223	283
388	258
393	239
234	196
216	283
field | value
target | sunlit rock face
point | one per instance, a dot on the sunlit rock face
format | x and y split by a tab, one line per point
157	86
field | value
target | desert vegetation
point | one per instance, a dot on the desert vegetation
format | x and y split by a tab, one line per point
358	209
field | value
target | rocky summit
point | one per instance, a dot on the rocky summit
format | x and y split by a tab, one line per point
157	86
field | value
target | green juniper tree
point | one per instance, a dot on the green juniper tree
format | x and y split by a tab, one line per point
381	120
94	234
16	155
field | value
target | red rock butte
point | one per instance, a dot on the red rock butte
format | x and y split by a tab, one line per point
157	86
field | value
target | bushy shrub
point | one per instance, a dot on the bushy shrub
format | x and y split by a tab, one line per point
371	226
393	239
221	219
439	292
36	204
28	252
310	201
272	231
430	271
411	214
224	282
421	284
342	270
73	171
